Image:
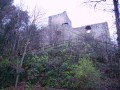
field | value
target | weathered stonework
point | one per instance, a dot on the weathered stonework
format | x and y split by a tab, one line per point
60	29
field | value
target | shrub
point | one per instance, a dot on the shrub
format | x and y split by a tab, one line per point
86	75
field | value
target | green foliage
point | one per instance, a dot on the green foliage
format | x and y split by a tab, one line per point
28	86
8	73
87	75
5	63
7	76
61	71
34	67
84	67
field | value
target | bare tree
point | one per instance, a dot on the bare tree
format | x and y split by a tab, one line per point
25	41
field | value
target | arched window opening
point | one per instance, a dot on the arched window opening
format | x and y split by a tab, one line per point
88	29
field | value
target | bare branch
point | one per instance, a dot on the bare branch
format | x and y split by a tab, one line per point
96	2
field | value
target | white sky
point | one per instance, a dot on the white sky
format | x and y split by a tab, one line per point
80	14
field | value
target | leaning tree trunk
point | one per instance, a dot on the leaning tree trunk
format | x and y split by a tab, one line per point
116	9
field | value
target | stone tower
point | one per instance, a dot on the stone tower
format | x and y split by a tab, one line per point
59	26
60	20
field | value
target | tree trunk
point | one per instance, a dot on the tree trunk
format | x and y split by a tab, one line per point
116	9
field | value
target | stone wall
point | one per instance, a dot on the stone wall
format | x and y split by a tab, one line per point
99	31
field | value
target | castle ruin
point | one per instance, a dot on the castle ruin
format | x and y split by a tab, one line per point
60	29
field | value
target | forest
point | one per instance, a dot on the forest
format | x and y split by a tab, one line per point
26	64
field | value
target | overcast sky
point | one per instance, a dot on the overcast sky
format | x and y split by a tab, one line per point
79	13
